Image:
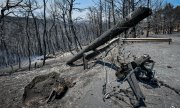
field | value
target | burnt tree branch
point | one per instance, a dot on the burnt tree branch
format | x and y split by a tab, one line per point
7	7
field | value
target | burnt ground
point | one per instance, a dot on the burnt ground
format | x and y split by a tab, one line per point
87	93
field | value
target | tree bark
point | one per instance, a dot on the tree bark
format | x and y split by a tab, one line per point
100	17
134	28
44	33
28	40
148	23
113	12
37	34
130	21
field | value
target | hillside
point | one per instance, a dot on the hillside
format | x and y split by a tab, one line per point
87	93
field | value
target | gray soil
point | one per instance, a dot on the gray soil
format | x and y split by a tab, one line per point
87	93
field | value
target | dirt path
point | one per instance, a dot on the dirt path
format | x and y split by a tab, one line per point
87	93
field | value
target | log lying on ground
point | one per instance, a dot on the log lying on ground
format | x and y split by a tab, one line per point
146	40
131	20
107	47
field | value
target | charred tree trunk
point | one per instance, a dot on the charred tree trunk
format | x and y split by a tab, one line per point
130	21
100	17
109	17
148	23
72	28
134	28
37	34
113	12
65	46
28	40
19	55
125	13
44	33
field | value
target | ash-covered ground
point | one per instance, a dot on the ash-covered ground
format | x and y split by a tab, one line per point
87	93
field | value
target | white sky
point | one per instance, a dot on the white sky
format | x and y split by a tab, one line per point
82	4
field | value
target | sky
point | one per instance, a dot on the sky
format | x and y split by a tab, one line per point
87	3
82	4
174	2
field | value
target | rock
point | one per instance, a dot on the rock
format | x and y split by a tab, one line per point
169	66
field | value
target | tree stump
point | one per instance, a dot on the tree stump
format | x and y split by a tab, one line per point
45	88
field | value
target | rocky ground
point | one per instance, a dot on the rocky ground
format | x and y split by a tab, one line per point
87	93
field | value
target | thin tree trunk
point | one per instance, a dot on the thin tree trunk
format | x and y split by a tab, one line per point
113	12
109	18
124	14
37	34
56	38
148	23
44	33
77	42
63	39
28	40
7	52
134	28
100	18
66	33
19	56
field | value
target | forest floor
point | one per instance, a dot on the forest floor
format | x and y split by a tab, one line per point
87	93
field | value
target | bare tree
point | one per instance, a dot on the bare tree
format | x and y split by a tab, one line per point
8	6
113	11
100	17
64	28
28	39
44	33
148	22
71	24
36	25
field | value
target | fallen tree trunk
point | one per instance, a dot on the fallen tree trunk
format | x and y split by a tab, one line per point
131	20
92	54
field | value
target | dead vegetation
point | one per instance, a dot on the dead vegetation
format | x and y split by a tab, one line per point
88	89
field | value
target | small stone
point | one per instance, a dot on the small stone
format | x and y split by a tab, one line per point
169	66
